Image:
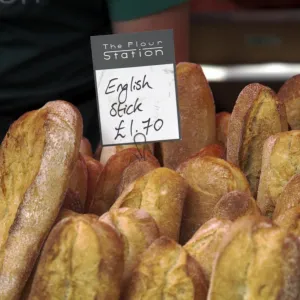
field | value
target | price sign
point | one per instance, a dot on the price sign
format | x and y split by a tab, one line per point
136	87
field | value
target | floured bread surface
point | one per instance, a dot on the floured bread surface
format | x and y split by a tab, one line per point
281	161
205	243
197	116
161	193
289	94
166	272
257	114
208	178
82	259
37	157
137	229
257	261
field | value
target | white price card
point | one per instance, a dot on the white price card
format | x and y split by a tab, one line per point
136	87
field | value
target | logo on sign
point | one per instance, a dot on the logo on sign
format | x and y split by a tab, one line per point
133	49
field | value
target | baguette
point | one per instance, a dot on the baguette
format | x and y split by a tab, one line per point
167	271
204	244
281	158
257	114
110	178
94	169
82	259
209	178
257	260
222	122
197	116
289	94
86	147
37	157
137	230
234	205
161	193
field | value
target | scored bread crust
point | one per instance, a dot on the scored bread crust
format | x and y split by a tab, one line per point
166	269
289	94
81	259
197	116
257	260
253	120
37	157
280	162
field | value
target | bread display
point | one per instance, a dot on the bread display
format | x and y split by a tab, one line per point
234	205
82	258
37	158
138	231
110	178
79	180
258	113
204	244
86	147
281	158
209	178
97	153
215	150
72	202
290	220
257	260
197	116
289	94
161	193
167	271
222	123
94	169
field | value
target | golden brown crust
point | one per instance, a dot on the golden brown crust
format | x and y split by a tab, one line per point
257	260
86	147
37	157
137	230
215	150
82	259
134	171
94	169
280	161
289	94
205	243
79	180
209	178
110	177
197	116
290	220
289	198
234	205
222	122
161	193
167	270
72	202
257	114
97	153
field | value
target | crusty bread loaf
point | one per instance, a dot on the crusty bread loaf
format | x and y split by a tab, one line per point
108	151
110	178
257	260
205	243
134	171
209	178
82	259
97	153
79	180
222	122
137	229
37	157
257	114
167	271
215	150
161	193
197	116
86	147
94	169
289	198
72	202
290	220
281	160
289	94
234	205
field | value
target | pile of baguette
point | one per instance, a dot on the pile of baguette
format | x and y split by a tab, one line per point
213	216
